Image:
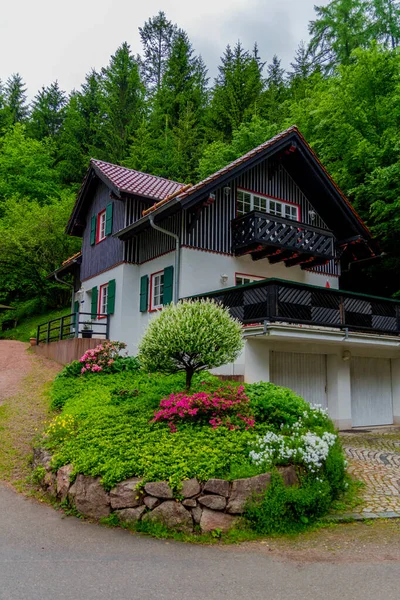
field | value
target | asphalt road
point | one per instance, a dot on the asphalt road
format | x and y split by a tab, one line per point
46	556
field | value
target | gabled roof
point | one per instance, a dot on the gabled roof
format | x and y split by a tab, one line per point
310	171
129	181
122	182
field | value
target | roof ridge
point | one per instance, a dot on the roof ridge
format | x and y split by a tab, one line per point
105	162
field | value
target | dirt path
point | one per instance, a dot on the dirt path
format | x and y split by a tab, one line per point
15	364
24	407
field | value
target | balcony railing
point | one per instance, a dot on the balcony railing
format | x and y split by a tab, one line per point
80	324
265	235
288	302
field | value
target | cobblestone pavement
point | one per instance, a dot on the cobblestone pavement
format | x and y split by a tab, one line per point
374	458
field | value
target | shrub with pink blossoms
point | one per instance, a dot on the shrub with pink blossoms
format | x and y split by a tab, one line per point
226	407
101	358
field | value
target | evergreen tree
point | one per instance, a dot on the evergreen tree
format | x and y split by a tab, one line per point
82	134
340	27
123	103
237	90
15	99
275	93
386	18
48	110
182	98
157	35
302	63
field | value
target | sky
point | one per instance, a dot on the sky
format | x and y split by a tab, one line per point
45	40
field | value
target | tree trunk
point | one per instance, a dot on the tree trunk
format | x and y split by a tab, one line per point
189	375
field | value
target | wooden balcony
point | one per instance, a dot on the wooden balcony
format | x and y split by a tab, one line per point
277	300
266	236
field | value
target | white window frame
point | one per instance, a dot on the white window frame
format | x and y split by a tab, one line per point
103	300
157	290
244	278
267	204
102	217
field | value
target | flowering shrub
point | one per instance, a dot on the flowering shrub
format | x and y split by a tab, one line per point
309	449
227	406
101	358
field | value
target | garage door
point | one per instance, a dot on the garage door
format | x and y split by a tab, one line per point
371	392
303	373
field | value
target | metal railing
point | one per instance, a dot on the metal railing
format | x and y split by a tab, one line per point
276	300
74	325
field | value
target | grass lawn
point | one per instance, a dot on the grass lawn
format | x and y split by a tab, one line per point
23	331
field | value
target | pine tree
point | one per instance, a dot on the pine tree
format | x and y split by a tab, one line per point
123	102
15	99
340	27
302	63
183	96
237	89
82	135
48	110
275	94
157	35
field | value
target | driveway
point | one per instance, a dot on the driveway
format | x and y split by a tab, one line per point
15	364
47	556
374	458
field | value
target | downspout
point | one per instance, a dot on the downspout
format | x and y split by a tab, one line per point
177	254
70	285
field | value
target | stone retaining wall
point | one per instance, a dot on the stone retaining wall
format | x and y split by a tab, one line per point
215	504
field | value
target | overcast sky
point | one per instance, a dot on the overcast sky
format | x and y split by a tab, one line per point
45	40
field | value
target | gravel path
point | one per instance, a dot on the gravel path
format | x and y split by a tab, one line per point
15	364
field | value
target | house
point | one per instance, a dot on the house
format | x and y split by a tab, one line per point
267	236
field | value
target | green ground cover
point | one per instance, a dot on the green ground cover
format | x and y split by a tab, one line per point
28	325
105	427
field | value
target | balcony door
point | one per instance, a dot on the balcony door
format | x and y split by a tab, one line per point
305	374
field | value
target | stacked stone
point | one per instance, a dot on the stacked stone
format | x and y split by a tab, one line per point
216	504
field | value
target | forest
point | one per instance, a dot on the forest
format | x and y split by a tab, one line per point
159	112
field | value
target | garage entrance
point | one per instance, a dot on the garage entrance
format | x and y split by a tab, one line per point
371	391
303	373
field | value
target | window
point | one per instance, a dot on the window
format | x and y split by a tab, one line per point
246	202
101	226
157	290
242	279
103	300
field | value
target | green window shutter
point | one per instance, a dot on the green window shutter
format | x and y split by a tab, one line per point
144	293
168	285
109	218
111	297
93	223
95	295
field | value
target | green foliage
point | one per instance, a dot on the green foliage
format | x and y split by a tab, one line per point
28	315
288	509
73	369
190	337
279	406
32	245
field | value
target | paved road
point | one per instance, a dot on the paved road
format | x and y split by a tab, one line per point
46	556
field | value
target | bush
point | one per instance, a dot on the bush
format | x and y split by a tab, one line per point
227	406
288	509
73	369
190	336
101	358
277	405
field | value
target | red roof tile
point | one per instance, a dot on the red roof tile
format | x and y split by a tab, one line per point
135	182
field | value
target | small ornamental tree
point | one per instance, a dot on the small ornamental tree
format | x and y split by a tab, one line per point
190	336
